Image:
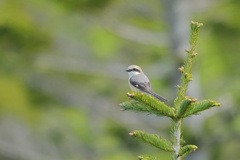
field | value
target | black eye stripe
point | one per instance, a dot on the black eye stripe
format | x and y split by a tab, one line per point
135	69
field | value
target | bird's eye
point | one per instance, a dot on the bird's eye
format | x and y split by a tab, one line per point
134	69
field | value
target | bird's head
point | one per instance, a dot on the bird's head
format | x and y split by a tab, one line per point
133	70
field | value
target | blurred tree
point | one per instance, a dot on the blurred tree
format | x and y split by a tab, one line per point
21	33
84	5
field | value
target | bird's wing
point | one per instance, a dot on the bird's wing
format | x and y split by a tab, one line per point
141	82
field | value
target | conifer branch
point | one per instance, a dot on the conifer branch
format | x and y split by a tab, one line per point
146	103
186	69
186	150
136	106
180	103
184	106
176	138
195	108
153	139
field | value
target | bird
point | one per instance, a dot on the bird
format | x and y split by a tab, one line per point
139	82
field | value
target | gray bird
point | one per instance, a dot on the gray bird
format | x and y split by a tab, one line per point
139	82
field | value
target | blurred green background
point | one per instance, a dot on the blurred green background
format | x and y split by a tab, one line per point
62	76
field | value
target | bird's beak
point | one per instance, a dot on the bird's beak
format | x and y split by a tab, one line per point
127	70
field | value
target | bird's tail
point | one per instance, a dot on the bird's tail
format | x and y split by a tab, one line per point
160	98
